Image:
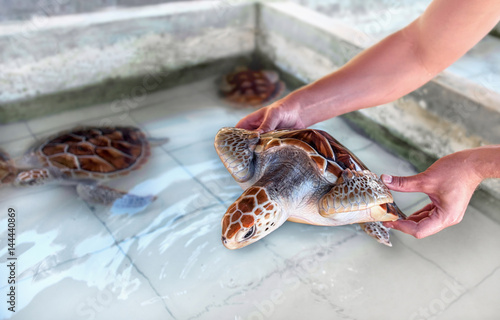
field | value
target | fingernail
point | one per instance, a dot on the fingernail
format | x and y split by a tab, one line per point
386	178
388	224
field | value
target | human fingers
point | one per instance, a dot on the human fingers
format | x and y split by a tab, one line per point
428	225
414	183
417	214
251	121
270	121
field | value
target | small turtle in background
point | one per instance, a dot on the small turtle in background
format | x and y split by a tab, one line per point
8	171
251	88
85	156
303	176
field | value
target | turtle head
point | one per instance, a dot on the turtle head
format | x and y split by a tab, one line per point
34	177
250	218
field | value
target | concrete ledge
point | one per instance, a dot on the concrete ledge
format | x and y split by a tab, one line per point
55	65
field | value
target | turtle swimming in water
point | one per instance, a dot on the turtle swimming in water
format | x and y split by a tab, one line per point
253	88
303	176
85	156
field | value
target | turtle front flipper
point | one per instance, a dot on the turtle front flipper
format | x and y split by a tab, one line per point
358	196
34	177
103	195
377	231
235	148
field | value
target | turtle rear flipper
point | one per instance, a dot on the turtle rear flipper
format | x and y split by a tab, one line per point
377	231
103	195
358	196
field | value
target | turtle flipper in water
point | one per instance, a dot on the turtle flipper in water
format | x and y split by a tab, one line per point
98	194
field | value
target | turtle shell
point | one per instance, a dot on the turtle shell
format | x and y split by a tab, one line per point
95	152
248	87
329	154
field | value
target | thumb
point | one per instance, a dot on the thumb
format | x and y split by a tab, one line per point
251	121
403	184
270	122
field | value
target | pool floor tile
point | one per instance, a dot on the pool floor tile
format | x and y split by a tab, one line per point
54	226
103	285
177	193
464	250
208	169
481	301
186	121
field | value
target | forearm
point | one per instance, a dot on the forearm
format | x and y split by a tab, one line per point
378	75
400	63
485	161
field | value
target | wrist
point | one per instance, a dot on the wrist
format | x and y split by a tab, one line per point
294	104
302	102
485	161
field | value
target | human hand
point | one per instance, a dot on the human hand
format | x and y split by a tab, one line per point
278	115
449	183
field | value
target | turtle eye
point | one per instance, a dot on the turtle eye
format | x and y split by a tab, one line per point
249	233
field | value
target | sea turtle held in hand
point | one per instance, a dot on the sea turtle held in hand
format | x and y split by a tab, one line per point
247	87
84	156
303	176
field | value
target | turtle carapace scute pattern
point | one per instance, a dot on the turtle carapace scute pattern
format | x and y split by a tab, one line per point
85	156
251	88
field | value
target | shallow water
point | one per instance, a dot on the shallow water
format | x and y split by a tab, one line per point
78	261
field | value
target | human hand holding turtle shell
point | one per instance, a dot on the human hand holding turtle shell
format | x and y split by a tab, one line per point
278	115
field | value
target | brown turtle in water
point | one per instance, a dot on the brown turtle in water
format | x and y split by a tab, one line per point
303	176
247	87
84	156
